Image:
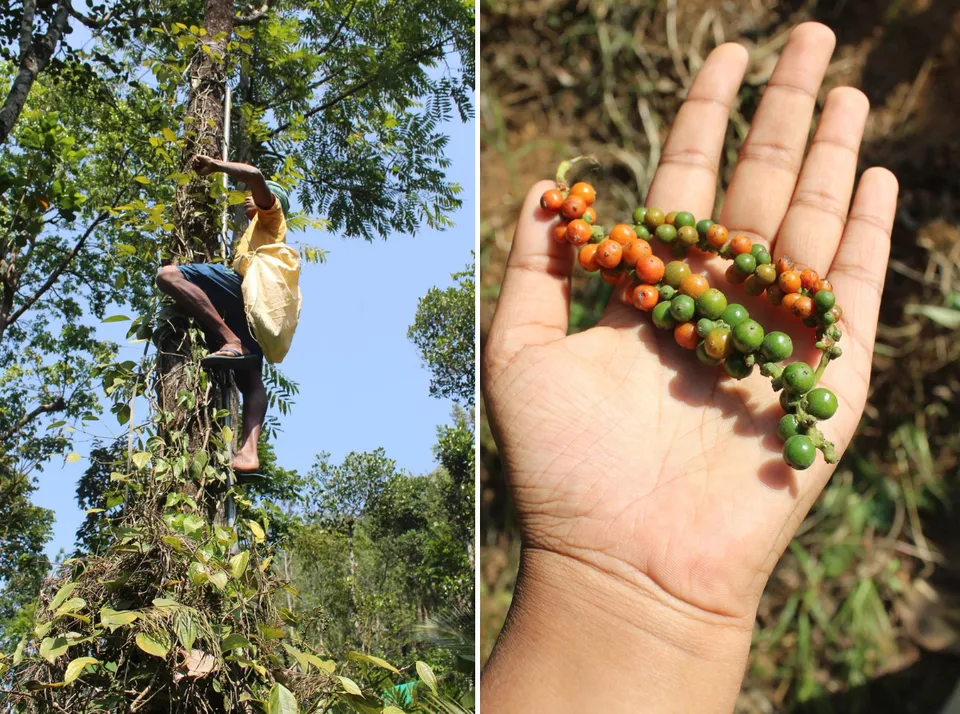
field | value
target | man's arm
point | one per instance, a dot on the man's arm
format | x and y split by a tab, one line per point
244	173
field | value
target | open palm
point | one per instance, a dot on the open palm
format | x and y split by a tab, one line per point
622	450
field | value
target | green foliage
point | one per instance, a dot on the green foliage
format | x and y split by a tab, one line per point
444	333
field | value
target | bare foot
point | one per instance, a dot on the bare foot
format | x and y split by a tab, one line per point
245	463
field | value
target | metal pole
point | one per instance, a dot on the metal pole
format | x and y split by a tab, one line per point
226	157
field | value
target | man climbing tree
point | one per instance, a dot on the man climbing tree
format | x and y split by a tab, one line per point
212	294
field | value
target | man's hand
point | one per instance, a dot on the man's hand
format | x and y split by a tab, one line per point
651	494
205	165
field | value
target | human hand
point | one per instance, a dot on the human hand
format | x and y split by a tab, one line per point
629	460
204	165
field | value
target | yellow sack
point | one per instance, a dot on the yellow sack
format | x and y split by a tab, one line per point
271	296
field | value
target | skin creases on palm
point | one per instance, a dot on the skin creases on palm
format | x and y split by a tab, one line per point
628	454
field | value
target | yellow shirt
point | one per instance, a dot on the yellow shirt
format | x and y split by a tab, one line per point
268	226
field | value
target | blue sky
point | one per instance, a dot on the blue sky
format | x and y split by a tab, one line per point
361	381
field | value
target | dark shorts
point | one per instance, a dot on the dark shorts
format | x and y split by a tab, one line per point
222	286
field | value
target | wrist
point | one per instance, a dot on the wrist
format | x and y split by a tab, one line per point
579	639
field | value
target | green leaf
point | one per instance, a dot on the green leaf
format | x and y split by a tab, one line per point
350	686
115	318
427	675
270	632
142	179
141	459
297	655
164	602
18	653
198	573
360	657
174	543
62	594
324	665
218	578
256	529
282	701
112	619
227	434
944	316
53	647
152	644
124	249
186	631
192	523
238	563
73	457
76	667
169	135
234	641
71	605
392	710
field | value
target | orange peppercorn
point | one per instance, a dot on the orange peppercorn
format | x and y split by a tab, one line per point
634	250
809	279
551	200
588	258
784	265
686	335
609	253
717	235
789	299
734	276
671	218
775	295
650	269
622	233
802	307
584	191
590	215
579	231
693	285
645	297
789	281
560	232
741	244
822	284
612	275
574	207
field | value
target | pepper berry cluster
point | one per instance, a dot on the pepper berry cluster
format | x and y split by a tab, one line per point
700	316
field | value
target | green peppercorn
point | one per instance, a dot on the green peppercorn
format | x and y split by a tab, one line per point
811	321
703	226
654	217
748	336
682	307
736	367
662	317
667	292
704	327
788	401
827	319
777	346
639	214
756	249
763	258
704	357
675	272
684	218
798	377
788	427
745	263
734	314
666	233
799	452
821	403
711	303
824	301
688	236
718	343
766	274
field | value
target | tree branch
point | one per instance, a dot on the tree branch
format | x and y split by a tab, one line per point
361	86
343	23
55	406
33	59
58	271
253	17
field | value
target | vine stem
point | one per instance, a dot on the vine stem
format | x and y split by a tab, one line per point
824	361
